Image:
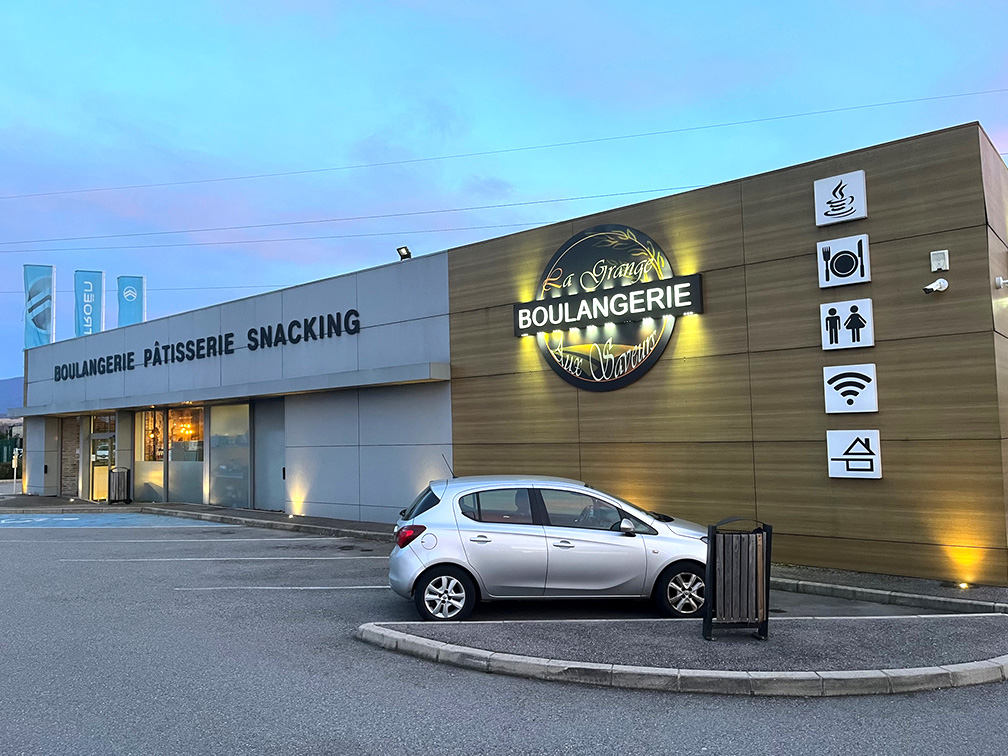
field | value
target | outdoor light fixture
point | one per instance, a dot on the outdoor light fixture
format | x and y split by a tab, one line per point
404	253
964	586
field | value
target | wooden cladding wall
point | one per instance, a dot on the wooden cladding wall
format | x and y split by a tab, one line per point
731	420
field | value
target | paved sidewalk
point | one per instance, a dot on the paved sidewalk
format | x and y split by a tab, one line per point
795	644
373	531
890	583
808	657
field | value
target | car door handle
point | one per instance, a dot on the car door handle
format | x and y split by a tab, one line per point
563	544
480	539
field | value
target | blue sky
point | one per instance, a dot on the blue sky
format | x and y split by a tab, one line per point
104	93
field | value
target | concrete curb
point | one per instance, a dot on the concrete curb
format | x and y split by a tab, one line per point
291	525
725	682
937	603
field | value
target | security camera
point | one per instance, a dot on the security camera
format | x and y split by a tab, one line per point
940	285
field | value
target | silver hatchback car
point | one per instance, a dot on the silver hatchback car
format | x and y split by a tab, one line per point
483	538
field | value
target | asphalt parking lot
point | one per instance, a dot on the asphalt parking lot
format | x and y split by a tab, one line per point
175	637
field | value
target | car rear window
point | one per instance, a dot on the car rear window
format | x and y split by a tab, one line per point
424	501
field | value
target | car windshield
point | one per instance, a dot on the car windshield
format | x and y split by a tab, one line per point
635	509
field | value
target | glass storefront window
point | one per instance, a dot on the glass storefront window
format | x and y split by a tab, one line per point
102	447
103	424
152	428
229	455
102	456
185	434
148	468
185	455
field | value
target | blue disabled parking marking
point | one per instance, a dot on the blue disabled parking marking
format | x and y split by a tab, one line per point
102	520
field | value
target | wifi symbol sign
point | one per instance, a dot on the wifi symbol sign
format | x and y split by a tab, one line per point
850	388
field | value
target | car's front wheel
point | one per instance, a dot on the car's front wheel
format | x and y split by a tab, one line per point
445	593
679	590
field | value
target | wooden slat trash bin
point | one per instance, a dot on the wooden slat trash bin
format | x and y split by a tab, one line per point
738	577
119	485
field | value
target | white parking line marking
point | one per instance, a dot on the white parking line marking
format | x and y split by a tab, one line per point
175	540
226	559
289	588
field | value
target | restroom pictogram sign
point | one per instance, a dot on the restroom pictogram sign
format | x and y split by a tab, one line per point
847	325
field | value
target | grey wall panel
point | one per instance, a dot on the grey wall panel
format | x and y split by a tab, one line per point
320	297
40	393
85	463
41	451
52	472
35	434
415	288
203	373
207	320
239	312
329	419
66	391
380	514
331	355
419	414
110	385
268	455
244	366
269	307
402	431
392	476
322	474
404	343
326	509
124	435
149	380
40	365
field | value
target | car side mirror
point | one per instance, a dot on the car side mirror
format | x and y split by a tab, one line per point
402	513
627	527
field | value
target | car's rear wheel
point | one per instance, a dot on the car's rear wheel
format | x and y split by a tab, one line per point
444	594
679	590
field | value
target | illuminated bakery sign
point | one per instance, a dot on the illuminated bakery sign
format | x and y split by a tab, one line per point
606	306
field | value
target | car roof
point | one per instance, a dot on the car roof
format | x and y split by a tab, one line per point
505	480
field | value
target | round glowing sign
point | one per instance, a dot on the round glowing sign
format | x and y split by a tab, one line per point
604	307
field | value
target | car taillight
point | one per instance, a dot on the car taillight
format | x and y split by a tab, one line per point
407	533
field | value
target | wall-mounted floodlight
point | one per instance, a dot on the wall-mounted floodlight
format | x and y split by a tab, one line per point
404	253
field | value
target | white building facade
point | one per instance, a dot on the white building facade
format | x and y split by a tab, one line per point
327	399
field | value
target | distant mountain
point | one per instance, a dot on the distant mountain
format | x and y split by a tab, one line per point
11	394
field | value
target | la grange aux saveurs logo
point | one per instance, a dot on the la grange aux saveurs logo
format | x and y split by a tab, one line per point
606	305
